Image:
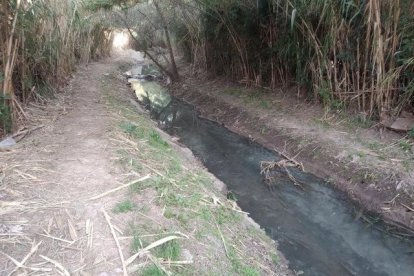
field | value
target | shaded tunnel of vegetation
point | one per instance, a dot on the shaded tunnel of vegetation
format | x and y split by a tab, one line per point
346	54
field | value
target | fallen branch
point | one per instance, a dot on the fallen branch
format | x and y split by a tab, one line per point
291	177
268	166
292	160
121	255
120	187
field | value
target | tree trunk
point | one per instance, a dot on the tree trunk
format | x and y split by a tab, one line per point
174	71
162	68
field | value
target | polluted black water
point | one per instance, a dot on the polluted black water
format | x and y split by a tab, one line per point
314	226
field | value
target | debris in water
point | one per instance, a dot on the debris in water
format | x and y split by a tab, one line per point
269	170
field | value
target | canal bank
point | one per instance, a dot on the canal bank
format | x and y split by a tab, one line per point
314	225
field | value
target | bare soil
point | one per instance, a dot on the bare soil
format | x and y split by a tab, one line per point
373	166
49	178
50	225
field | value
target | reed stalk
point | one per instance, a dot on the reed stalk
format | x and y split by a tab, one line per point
40	44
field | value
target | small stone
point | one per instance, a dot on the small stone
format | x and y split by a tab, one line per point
403	124
406	114
16	229
399	185
187	255
7	142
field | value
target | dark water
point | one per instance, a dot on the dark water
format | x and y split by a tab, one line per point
315	227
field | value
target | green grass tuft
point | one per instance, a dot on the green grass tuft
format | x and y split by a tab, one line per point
360	121
275	259
264	104
152	271
405	145
411	133
231	196
239	267
169	251
156	140
124	206
136	244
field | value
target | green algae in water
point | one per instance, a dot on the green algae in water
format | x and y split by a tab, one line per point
151	93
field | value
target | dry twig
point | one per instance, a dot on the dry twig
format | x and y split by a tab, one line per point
17	263
121	255
223	240
57	265
21	264
56	238
152	245
408	207
120	187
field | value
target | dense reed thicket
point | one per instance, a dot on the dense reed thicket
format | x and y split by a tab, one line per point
40	43
357	53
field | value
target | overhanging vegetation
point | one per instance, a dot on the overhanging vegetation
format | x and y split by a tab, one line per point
346	54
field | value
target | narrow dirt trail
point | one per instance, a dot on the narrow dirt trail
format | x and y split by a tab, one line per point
49	180
90	140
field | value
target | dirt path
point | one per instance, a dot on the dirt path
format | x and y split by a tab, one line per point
51	177
90	142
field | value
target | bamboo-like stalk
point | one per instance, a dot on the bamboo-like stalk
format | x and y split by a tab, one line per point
348	46
39	41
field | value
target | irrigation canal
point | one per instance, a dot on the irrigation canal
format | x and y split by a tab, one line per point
315	227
